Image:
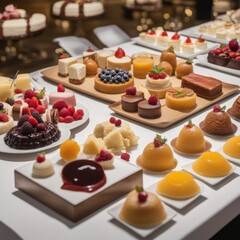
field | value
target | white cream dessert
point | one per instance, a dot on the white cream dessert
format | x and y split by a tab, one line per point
162	39
200	43
6	122
77	73
187	46
102	58
23	82
64	64
175	42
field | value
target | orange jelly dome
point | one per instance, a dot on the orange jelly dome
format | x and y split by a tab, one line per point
232	147
158	158
178	185
212	164
190	140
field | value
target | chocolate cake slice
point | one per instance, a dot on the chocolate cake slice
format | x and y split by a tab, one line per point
203	86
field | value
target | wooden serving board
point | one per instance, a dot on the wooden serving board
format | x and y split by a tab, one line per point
171	116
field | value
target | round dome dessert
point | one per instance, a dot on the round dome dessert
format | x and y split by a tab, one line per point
190	140
218	122
31	132
234	111
91	66
167	67
157	82
83	175
157	156
232	147
105	158
113	81
131	98
178	185
181	99
150	108
42	167
169	56
69	150
184	68
212	164
142	209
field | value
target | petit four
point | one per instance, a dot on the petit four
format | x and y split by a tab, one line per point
187	46
175	42
77	73
142	209
178	185
232	147
162	39
64	64
184	68
149	36
91	66
42	167
169	56
157	156
212	164
69	150
105	159
234	111
200	43
167	67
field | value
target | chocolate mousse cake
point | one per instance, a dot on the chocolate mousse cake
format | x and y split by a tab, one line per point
234	111
131	99
203	86
31	132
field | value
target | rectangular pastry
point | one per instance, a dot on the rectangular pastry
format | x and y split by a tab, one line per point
203	86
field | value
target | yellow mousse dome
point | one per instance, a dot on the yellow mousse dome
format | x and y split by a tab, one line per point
178	185
157	157
232	147
142	214
212	164
190	139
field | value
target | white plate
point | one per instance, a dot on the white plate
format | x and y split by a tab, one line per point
77	123
144	232
179	204
203	61
231	159
65	134
209	180
210	46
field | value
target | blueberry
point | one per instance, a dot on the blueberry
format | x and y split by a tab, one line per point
107	72
121	74
105	80
108	77
103	71
125	76
129	74
123	81
110	81
99	75
113	73
109	69
119	78
102	77
116	81
1	106
117	70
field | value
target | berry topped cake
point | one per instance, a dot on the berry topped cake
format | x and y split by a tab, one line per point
16	23
32	132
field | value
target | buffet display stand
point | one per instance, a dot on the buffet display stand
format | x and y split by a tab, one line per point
23	217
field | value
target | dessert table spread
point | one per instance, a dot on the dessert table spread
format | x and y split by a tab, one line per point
22	217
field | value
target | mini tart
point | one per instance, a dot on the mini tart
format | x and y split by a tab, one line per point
43	169
180	98
123	63
178	185
6	126
112	88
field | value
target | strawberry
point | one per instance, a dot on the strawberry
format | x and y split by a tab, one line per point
64	112
237	58
26	111
153	100
60	88
150	32
190	124
77	116
201	39
158	141
41	109
125	156
175	36
232	54
32	109
188	40
33	121
33	102
90	49
18	101
71	109
120	53
17	91
3	117
68	119
29	94
81	112
60	105
131	91
64	55
164	34
61	119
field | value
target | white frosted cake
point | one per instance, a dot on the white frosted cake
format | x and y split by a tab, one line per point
77	9
142	3
17	23
64	64
77	73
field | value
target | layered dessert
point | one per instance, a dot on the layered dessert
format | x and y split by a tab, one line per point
178	185
232	147
142	209
17	23
187	46
69	150
234	111
203	86
169	56
83	175
157	82
212	164
77	9
31	132
113	81
217	122
131	98
150	108
157	156
184	68
180	99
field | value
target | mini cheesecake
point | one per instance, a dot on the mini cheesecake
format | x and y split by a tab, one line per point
77	73
64	64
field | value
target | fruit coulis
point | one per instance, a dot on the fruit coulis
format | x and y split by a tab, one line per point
83	175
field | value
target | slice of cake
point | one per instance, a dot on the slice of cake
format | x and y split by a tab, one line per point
23	82
77	73
93	145
64	64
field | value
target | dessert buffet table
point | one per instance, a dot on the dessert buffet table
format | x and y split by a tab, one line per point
23	217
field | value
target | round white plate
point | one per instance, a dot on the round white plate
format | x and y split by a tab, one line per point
65	134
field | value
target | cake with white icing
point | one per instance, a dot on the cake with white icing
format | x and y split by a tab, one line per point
77	73
141	4
64	64
77	8
15	23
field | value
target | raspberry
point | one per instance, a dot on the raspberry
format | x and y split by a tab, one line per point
216	108
188	40
156	142
41	109
142	196
29	94
164	34
81	112
118	122
33	121
3	117
60	105
37	116
22	120
27	100
33	102
17	91
125	156
60	88
153	100
77	116
103	155
26	111
237	58
64	112
41	127
120	53
151	75
32	109
68	119
26	128
40	158
64	55
112	120
155	76
131	91
162	75
61	119
71	109
176	36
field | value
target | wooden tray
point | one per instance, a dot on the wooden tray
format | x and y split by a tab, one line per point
171	116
